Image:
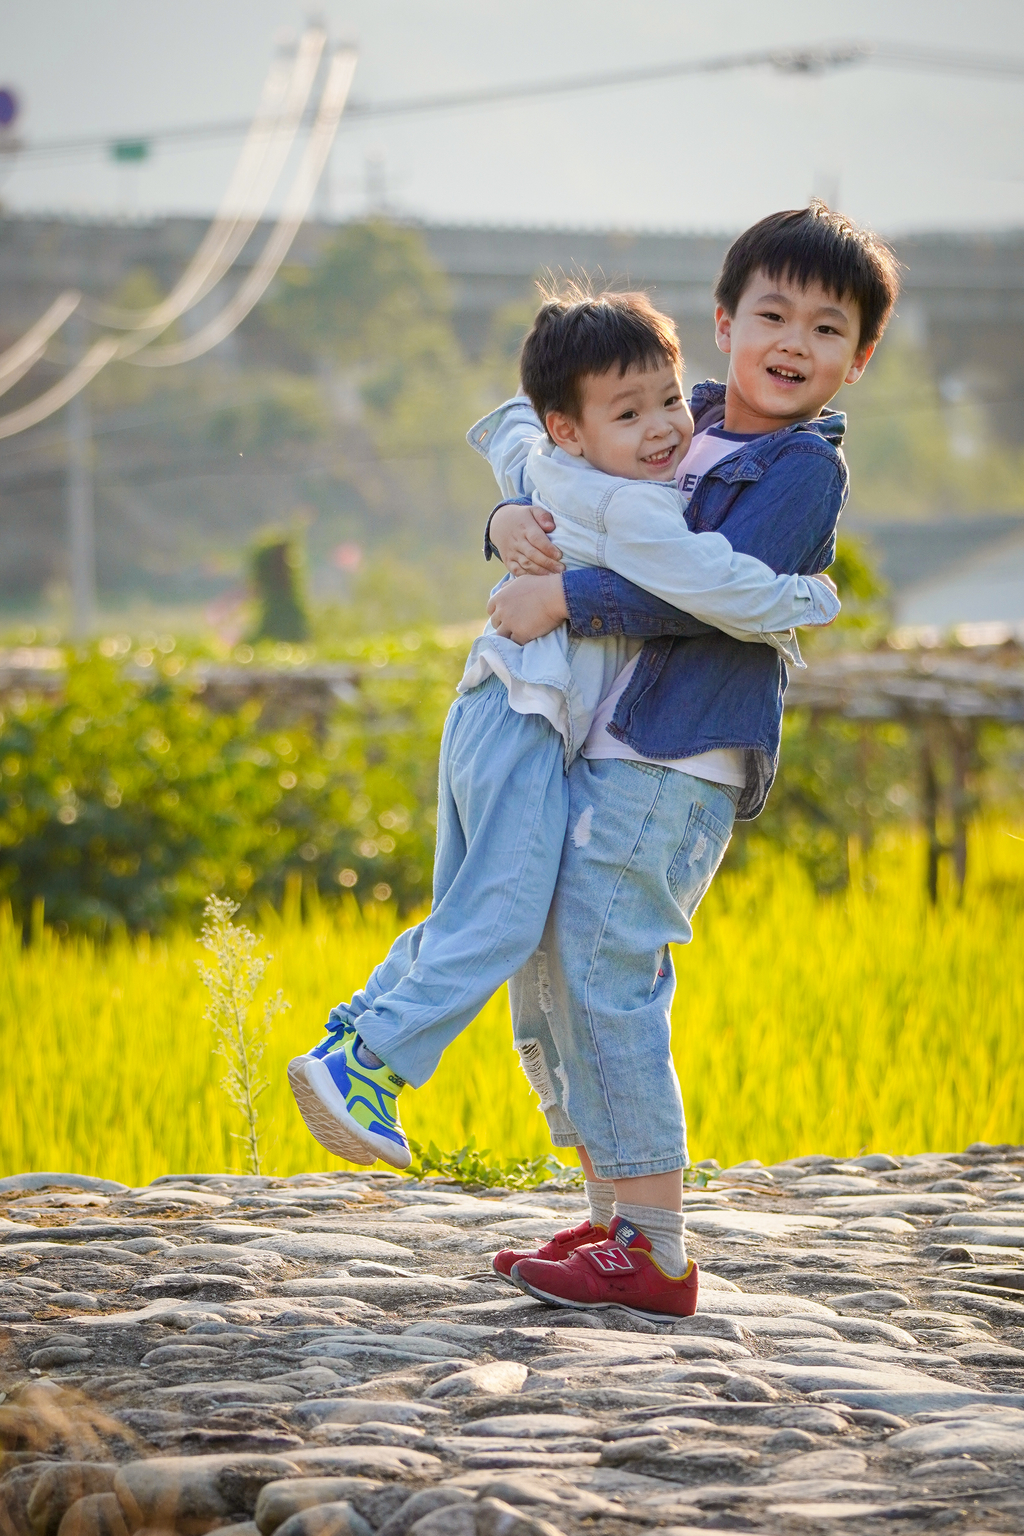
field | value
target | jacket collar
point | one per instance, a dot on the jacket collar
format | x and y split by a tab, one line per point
707	403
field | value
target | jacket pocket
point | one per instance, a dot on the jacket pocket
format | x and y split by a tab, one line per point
697	858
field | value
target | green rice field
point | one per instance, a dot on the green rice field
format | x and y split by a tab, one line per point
803	1023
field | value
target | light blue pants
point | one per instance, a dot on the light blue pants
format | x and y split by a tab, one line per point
591	1009
501	816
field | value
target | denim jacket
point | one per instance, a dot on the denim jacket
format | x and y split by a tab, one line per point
695	689
637	528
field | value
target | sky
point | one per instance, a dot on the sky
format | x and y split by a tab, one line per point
897	150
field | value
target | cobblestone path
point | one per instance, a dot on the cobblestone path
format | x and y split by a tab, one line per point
330	1354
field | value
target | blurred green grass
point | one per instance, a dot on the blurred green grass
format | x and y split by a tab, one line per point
803	1023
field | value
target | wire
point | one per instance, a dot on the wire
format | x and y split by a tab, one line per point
256	173
942	61
796	61
279	243
98	356
331	106
265	148
26	352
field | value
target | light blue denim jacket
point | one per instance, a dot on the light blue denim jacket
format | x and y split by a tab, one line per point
637	528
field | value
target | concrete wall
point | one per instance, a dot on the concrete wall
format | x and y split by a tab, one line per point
963	294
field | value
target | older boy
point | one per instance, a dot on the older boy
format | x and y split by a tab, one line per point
802	299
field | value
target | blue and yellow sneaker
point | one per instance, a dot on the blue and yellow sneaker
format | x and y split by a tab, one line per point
350	1108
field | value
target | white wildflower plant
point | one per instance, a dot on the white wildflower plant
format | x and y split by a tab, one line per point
232	982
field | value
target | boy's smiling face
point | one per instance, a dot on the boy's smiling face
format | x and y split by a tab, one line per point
635	425
790	349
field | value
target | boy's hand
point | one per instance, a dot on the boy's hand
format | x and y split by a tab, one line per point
528	607
520	535
826	581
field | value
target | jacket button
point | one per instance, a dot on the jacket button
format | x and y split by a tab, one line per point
597	624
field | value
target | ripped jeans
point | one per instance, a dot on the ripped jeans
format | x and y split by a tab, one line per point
591	1010
501	815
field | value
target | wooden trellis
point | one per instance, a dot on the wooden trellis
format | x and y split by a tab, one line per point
944	696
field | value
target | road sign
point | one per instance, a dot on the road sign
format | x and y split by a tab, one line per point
10	106
129	151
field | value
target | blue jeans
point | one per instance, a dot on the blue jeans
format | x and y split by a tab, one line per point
591	1010
501	815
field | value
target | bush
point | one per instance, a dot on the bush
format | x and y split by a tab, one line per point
127	803
838	779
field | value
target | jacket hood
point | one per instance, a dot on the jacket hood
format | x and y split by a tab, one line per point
707	404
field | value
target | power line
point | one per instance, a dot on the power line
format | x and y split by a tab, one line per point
269	139
795	61
272	133
256	282
233	225
268	142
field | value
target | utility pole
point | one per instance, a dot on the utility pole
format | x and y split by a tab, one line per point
81	522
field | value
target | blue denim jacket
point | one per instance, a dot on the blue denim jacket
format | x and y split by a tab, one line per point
695	689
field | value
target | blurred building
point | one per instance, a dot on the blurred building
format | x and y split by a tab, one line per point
953	573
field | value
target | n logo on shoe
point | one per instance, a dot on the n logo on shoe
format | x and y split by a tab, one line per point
610	1260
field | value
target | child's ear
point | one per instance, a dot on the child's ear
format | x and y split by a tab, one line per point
861	358
723	329
564	432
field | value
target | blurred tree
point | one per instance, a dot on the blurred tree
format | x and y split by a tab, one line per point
276	563
374	316
287	410
865	615
838	779
127	803
374	297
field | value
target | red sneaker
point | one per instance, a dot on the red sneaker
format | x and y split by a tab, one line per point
559	1248
616	1273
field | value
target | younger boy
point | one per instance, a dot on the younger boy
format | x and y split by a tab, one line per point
605	375
802	299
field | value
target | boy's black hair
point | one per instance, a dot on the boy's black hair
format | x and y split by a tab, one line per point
577	334
815	245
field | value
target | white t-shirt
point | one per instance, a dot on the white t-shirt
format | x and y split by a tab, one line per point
725	765
708	448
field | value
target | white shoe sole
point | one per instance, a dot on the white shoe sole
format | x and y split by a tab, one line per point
323	1109
594	1306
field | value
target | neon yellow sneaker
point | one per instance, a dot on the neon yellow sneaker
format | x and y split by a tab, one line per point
350	1108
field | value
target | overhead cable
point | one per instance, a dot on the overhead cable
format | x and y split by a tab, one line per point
135	344
28	349
279	243
814	60
84	371
269	142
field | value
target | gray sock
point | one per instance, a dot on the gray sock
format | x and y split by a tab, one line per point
361	1051
664	1231
601	1194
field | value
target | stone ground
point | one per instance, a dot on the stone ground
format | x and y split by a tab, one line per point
329	1354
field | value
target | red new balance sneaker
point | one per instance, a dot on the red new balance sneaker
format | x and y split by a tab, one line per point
616	1273
560	1247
